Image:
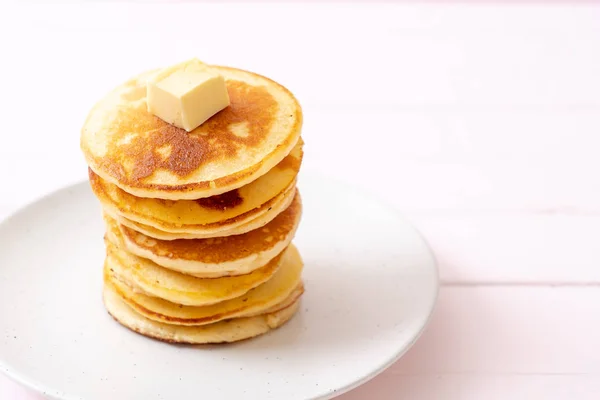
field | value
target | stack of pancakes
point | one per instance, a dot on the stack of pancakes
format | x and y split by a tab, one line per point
199	224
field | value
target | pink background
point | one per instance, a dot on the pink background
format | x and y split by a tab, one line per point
482	125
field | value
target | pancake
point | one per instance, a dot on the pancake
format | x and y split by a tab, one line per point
198	316
285	284
231	330
253	220
129	147
170	215
215	257
179	288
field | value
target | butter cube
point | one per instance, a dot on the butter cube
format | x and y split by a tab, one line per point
187	94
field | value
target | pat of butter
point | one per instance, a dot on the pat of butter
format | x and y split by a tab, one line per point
187	94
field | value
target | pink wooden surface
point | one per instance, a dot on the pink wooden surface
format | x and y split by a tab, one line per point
480	123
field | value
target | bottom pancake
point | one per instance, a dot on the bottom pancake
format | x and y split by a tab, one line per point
231	330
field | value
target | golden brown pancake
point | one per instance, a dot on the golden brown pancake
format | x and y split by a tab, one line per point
285	284
129	147
166	312
180	288
236	226
231	330
214	257
238	205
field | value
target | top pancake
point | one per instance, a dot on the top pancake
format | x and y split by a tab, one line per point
127	146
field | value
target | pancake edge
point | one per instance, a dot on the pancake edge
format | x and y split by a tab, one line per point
127	317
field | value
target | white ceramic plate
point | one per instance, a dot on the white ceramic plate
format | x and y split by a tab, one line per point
371	284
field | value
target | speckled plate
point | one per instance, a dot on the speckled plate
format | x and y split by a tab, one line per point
371	284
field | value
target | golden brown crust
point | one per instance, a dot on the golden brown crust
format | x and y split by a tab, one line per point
186	152
142	144
210	213
222	201
222	249
127	208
